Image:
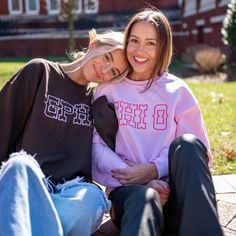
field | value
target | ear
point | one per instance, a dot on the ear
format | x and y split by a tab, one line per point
92	45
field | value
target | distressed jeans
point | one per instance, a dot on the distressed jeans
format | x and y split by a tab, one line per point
29	206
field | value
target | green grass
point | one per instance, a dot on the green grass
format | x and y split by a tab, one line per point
9	66
219	116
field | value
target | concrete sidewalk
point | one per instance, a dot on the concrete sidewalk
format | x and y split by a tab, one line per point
225	186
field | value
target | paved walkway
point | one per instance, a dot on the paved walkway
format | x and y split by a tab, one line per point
225	186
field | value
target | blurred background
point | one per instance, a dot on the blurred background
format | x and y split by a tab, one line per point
54	27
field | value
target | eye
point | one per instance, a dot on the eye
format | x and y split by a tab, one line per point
133	40
107	58
114	73
151	43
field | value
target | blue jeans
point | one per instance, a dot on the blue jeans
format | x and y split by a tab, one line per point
29	206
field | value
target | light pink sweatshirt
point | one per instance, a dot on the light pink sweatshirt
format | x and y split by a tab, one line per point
148	122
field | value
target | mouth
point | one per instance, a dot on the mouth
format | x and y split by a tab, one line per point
140	60
96	72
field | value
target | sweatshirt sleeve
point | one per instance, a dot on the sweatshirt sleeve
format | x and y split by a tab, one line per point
16	100
161	163
191	122
104	161
104	158
105	120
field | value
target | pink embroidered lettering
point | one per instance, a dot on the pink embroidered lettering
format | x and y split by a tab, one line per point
160	117
133	115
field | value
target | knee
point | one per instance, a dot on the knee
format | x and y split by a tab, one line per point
142	196
187	148
145	203
186	140
21	162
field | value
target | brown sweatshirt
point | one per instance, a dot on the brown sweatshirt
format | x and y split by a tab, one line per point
47	114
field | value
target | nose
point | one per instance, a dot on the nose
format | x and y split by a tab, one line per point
105	68
141	47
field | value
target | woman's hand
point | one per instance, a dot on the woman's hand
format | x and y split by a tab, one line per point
162	188
136	173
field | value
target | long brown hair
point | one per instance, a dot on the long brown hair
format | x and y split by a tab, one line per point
162	25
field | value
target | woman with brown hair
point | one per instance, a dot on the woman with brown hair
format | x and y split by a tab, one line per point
161	138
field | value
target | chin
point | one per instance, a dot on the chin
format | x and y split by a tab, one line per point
141	71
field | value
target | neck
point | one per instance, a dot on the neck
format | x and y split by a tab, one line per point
138	76
73	74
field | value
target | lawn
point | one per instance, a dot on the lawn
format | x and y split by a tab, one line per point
218	105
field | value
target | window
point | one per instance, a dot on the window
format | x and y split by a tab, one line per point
224	3
32	6
15	6
190	7
207	5
91	6
78	6
53	6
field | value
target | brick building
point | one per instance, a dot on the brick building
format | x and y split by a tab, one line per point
201	23
33	28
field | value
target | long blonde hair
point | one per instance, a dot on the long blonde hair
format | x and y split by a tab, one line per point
165	47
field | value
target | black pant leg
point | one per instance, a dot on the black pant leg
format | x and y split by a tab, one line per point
194	193
136	210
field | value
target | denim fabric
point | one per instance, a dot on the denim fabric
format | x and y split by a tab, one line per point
28	207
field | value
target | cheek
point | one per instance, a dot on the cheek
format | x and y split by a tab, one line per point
131	48
108	76
129	53
152	52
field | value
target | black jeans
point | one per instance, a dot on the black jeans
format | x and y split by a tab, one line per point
191	208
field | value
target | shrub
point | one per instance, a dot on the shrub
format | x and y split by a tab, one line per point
229	38
190	52
229	26
204	58
209	60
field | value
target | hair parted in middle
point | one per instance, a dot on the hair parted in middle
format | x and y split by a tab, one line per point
164	32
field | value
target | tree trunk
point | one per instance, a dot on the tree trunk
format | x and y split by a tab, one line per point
71	44
231	70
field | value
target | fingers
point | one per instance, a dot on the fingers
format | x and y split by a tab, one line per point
129	162
163	184
119	171
163	198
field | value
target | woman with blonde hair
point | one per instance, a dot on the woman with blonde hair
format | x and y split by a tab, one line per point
46	127
161	142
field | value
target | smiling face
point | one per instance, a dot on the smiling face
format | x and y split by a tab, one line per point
105	67
142	50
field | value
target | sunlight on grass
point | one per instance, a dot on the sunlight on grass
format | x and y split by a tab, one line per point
218	105
10	66
7	69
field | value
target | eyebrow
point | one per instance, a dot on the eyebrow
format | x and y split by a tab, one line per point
111	56
145	39
118	72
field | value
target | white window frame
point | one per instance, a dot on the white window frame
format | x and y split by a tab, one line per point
207	5
79	9
207	30
217	19
91	11
190	8
53	11
29	11
200	22
12	11
194	31
224	3
180	3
